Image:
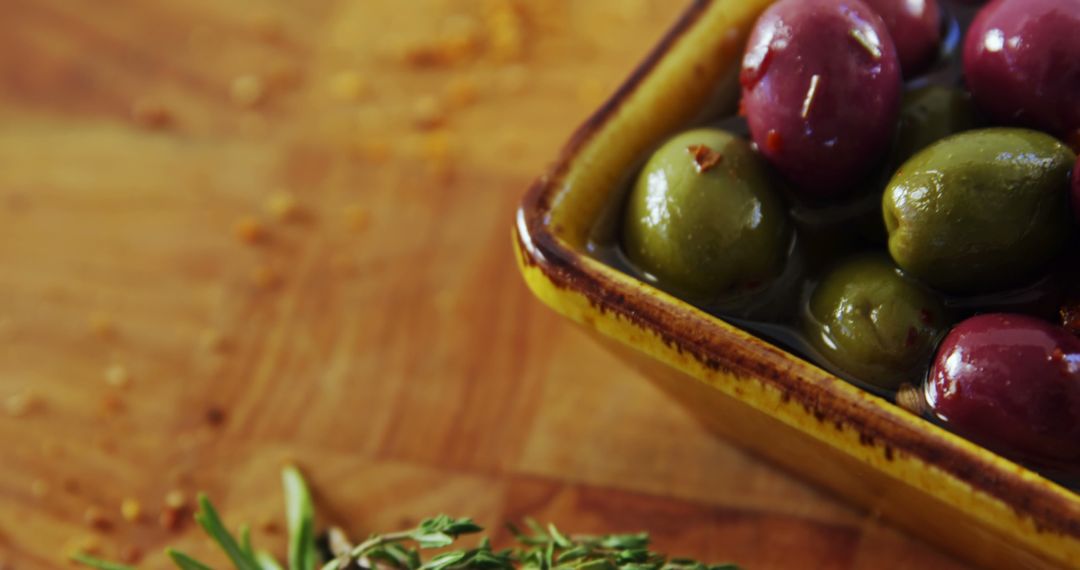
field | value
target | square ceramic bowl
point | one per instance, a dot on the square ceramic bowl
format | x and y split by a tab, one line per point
970	501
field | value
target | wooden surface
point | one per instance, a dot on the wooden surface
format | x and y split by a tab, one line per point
382	337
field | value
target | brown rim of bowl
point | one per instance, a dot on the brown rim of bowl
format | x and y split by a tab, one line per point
689	331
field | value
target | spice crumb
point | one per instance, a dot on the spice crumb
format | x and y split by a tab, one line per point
102	325
39	488
175	499
169	519
215	416
20	404
1070	315
130	509
131	554
249	230
112	405
213	340
248	90
266	277
461	91
506	31
428	112
436	147
151	114
96	518
117	376
282	206
270	526
89	545
356	216
348	86
282	75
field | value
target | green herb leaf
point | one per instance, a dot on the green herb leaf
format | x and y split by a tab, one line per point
560	540
267	561
433	539
397	556
208	518
185	562
245	540
300	517
444	560
92	562
538	531
574	553
597	564
625	541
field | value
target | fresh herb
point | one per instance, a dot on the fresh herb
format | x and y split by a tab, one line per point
542	548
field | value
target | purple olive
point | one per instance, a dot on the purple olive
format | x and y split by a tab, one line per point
821	92
915	28
1012	383
1022	63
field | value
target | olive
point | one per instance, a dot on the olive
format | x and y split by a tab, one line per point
704	219
1022	63
980	211
809	65
928	115
915	28
1012	383
874	323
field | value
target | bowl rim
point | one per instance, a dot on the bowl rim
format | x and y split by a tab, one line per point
700	336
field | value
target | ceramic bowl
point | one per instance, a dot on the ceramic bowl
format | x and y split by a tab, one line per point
937	485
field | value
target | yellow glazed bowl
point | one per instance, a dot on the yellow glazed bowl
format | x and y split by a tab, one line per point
982	507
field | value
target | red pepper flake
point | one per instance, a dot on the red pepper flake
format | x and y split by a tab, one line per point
705	158
742	107
131	554
170	519
1070	316
151	114
773	142
270	526
912	337
97	519
215	416
750	76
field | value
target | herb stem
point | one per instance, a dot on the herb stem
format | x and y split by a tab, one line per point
380	540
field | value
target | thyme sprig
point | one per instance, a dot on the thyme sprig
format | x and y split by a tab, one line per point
542	548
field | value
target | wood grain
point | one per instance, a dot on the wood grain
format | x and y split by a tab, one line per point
399	360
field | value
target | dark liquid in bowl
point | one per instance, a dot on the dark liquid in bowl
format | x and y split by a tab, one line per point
827	234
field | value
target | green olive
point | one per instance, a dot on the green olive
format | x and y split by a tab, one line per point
872	322
704	218
981	210
928	115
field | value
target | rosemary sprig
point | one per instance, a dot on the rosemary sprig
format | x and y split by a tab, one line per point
542	548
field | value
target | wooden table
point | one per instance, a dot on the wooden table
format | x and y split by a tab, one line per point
239	233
